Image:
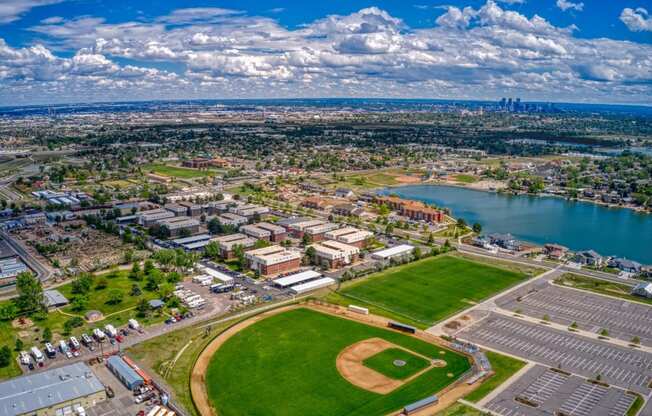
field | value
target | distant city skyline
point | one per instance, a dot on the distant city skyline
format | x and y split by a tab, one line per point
65	51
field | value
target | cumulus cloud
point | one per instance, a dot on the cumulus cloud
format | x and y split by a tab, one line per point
11	10
481	52
636	20
569	5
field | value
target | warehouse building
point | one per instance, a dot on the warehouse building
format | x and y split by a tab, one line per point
176	209
297	278
396	252
60	391
248	210
256	232
287	222
312	285
227	243
124	372
334	255
350	235
273	260
10	267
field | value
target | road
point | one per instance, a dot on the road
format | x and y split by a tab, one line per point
43	272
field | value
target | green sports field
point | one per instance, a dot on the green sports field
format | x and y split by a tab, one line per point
430	290
383	362
285	365
177	171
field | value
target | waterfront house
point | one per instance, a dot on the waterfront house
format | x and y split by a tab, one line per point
589	258
555	251
506	241
625	265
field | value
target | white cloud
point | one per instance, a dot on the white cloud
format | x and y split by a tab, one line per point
636	20
474	53
569	5
11	10
512	1
195	15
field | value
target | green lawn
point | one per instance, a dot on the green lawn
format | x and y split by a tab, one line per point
459	409
602	287
504	367
383	362
285	365
430	290
465	178
177	171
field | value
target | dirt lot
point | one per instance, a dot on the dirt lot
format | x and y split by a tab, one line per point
72	244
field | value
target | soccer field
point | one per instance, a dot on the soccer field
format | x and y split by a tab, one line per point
429	290
285	365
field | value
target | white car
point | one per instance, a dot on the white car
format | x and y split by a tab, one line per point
68	354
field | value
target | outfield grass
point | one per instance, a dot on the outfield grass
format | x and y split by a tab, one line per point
383	362
285	365
177	171
602	287
430	290
504	367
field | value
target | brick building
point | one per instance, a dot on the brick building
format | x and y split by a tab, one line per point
414	210
272	260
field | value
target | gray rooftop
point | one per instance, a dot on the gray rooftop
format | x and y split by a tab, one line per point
121	367
27	394
53	298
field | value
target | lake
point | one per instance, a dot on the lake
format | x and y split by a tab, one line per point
576	225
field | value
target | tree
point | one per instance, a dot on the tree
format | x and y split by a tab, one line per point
477	228
238	252
461	223
389	229
306	240
212	250
71	323
5	356
102	283
19	345
416	252
143	308
79	303
261	244
636	340
82	284
604	332
431	238
135	272
311	253
214	226
135	290
114	297
8	312
47	335
30	293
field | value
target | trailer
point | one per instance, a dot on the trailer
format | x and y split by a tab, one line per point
74	343
222	288
49	350
154	410
402	327
37	354
99	334
133	324
110	330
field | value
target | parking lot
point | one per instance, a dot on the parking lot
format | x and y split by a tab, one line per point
615	365
622	319
543	391
122	404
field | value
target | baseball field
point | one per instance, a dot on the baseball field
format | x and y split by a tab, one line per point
304	362
430	290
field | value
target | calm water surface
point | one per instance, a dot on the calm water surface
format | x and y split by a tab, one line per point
577	225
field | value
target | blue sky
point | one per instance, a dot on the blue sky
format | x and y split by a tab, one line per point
100	50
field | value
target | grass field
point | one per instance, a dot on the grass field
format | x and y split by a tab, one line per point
459	409
504	367
177	172
602	287
465	178
285	365
383	362
430	290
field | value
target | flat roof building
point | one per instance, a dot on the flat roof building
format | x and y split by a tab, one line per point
333	254
176	224
227	243
147	218
350	235
273	260
296	278
393	252
277	233
312	285
317	232
256	232
229	218
51	392
127	375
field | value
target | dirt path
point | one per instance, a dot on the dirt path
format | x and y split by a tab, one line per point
198	375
